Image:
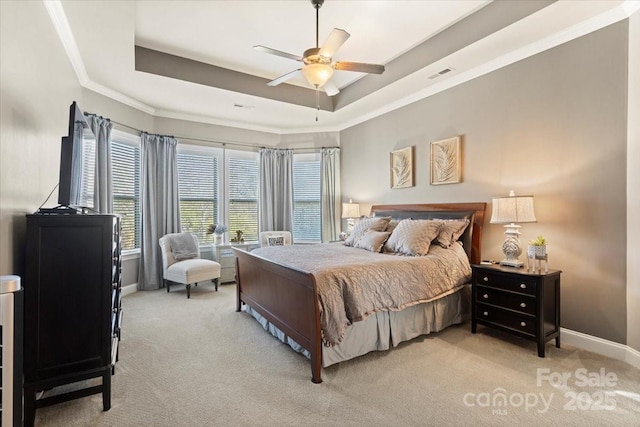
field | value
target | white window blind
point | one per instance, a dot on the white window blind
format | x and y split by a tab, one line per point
306	198
243	173
198	185
125	170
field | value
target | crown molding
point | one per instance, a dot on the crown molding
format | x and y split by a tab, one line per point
61	24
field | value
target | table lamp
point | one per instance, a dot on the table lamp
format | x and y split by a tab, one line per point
511	210
350	211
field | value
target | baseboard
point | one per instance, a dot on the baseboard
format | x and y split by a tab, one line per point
129	289
601	346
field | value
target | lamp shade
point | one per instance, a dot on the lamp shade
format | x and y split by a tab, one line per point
350	210
317	74
512	209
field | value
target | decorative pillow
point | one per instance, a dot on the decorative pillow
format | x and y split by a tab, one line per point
364	224
450	231
412	236
183	246
392	225
372	240
275	241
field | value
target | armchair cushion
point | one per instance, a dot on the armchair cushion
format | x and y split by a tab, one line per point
183	246
192	271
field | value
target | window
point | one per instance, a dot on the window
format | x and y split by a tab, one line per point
125	173
198	173
306	198
243	176
125	170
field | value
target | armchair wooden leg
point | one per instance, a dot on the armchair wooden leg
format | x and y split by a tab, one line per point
166	284
215	282
188	291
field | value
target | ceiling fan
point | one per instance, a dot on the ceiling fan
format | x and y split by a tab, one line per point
318	66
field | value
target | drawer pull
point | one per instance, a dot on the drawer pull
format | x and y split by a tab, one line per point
485	296
523	305
485	278
486	313
523	286
523	323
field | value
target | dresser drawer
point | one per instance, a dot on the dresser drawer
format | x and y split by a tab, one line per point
518	302
522	284
519	322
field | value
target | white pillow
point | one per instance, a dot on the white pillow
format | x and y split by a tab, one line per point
412	236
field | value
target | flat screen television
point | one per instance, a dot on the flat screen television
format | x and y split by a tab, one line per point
77	154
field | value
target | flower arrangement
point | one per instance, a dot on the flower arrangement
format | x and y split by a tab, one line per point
538	241
217	229
537	248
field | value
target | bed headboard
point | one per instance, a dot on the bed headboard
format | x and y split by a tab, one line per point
471	238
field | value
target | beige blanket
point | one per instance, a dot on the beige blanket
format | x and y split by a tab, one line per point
353	283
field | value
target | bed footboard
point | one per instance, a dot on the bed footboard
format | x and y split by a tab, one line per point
286	297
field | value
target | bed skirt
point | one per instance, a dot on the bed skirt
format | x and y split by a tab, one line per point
384	329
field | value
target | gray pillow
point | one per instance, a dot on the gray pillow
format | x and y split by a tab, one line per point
364	224
412	236
183	246
372	240
450	231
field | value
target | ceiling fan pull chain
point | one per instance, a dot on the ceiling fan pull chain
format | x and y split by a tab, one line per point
317	102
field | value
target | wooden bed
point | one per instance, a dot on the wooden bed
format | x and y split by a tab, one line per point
287	297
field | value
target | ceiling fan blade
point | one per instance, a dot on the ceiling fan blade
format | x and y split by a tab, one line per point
284	77
330	88
336	38
278	53
359	67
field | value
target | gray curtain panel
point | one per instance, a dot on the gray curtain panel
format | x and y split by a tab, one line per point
276	190
330	193
160	204
102	183
76	165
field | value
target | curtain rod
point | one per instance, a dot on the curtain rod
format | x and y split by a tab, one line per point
223	143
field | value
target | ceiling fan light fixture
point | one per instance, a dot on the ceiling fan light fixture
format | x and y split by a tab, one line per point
317	74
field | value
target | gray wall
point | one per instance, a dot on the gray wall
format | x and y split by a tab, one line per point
633	189
553	125
37	85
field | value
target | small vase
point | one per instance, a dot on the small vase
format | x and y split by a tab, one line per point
536	251
218	239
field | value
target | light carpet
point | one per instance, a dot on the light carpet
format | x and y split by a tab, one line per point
196	362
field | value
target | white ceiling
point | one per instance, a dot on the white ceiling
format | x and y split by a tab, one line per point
100	36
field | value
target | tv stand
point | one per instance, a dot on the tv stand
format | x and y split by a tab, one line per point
59	210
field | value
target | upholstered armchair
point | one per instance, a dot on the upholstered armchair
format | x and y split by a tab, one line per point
181	262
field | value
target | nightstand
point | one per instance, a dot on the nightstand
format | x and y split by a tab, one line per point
223	255
518	302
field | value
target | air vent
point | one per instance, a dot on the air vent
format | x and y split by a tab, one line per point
246	107
442	72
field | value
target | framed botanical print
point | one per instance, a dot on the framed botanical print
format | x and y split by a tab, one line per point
402	168
446	167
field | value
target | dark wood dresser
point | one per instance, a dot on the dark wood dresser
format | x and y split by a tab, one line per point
72	306
516	301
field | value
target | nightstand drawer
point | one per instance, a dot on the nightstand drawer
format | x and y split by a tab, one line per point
506	318
514	283
513	301
227	262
